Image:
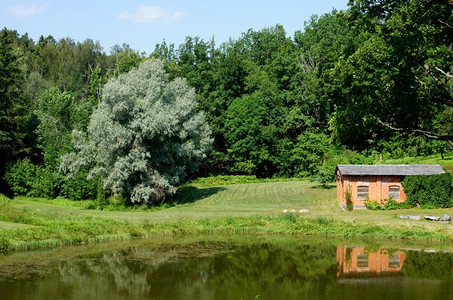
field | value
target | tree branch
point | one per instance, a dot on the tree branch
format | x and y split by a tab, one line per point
428	134
443	72
445	23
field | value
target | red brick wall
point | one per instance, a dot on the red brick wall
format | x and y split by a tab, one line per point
378	188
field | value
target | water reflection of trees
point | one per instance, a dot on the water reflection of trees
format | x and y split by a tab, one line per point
433	265
272	268
269	269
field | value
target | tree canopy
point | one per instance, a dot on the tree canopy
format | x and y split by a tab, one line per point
144	137
360	85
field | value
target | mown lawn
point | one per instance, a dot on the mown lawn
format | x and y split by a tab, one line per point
237	200
242	200
251	207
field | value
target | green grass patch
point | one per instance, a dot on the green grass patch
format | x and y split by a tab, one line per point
232	209
60	201
446	162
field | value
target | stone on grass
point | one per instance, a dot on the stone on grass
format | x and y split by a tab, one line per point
446	218
432	218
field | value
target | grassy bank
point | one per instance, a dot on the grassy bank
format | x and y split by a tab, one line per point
446	162
239	208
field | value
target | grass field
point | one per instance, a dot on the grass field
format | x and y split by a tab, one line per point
250	208
242	200
446	162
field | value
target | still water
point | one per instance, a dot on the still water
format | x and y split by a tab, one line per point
229	268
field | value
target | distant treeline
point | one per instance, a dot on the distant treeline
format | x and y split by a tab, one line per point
355	86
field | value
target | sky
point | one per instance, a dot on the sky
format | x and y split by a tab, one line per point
142	24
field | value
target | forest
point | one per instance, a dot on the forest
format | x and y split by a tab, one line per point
357	86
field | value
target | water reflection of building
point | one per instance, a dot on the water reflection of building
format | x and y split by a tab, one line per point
359	263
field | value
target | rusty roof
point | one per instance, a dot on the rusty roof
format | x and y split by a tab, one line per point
395	170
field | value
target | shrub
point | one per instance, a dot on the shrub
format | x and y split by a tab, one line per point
429	191
78	187
27	179
24	178
348	197
373	205
391	204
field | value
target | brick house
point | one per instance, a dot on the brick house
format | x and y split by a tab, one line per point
377	182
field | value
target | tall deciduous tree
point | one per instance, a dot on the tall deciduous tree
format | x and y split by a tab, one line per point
144	136
56	113
399	77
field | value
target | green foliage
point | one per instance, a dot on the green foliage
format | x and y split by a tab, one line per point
251	136
144	136
13	112
309	153
348	198
374	79
54	131
331	158
373	205
397	74
225	179
68	64
24	178
78	187
390	204
28	179
125	58
429	191
289	217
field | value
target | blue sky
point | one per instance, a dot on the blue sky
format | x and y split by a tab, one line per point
142	24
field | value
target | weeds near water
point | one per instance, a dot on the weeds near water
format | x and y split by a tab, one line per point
291	217
323	221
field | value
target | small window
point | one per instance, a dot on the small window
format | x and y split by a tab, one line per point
394	261
362	260
362	193
394	192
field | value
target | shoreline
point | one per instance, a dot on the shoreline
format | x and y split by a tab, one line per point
92	230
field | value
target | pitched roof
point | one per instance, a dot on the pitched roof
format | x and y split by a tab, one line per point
396	170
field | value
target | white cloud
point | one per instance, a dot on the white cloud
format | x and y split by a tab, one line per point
26	11
152	14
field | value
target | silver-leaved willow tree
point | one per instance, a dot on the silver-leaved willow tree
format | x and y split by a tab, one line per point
144	136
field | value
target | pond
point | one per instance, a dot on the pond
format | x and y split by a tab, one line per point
246	267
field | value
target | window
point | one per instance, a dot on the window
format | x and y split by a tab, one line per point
394	192
362	193
394	261
362	260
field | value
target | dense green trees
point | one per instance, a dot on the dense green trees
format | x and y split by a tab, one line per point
48	85
371	82
398	78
